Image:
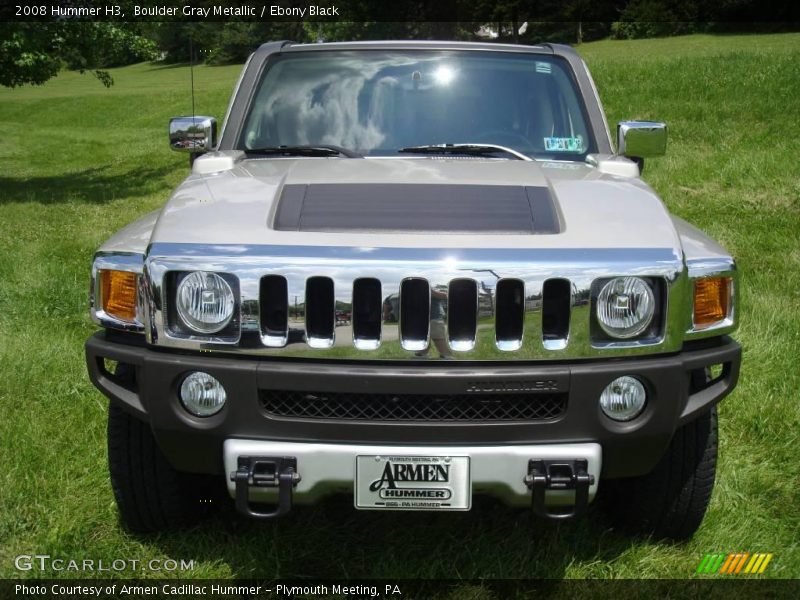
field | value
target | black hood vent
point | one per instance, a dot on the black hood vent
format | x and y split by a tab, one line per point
417	207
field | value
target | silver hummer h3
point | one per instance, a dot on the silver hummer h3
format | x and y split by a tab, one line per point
414	272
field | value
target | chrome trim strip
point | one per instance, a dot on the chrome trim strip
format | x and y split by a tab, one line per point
580	314
438	267
116	261
495	470
233	96
603	257
705	267
596	95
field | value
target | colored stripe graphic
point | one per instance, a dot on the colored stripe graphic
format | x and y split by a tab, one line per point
765	563
727	563
753	560
701	568
717	562
734	563
739	566
710	563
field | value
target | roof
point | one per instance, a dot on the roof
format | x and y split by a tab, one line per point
426	45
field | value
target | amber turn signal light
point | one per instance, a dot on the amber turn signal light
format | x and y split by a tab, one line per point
712	301
118	293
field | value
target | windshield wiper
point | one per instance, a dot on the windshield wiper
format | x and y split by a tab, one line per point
474	149
310	150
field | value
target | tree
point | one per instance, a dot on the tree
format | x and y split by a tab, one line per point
32	53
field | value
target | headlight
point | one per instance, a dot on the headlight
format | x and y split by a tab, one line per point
205	302
625	307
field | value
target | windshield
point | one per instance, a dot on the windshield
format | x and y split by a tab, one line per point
377	102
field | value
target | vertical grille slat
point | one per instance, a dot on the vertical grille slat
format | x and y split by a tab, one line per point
509	314
274	310
415	313
320	312
462	314
556	301
367	312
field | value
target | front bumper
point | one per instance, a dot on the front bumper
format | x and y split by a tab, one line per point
195	444
494	470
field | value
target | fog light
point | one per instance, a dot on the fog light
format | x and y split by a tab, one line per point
623	399
202	395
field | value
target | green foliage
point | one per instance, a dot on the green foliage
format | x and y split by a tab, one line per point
175	39
236	40
32	53
656	18
388	30
113	44
26	54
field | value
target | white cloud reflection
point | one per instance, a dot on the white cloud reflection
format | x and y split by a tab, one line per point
318	102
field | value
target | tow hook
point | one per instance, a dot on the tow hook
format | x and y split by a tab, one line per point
265	472
546	475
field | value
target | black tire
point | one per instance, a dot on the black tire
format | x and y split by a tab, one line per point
150	494
670	502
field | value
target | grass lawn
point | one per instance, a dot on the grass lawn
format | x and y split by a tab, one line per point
80	161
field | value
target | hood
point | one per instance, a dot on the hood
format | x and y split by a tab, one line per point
416	202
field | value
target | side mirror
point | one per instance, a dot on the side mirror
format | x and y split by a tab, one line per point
192	134
641	139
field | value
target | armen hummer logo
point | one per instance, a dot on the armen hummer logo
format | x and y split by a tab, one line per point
393	473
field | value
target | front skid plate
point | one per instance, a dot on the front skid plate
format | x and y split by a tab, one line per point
494	470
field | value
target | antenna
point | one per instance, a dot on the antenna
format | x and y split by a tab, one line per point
191	76
191	70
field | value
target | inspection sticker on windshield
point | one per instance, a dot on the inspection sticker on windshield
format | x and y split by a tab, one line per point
563	144
543	67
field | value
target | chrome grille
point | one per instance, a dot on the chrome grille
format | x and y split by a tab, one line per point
367	313
320	312
274	310
413	407
422	312
462	314
408	304
510	320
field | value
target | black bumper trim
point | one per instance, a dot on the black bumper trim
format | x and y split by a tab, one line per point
195	444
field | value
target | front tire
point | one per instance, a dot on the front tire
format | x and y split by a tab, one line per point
670	502
150	494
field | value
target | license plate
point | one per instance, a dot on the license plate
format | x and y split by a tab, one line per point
413	483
